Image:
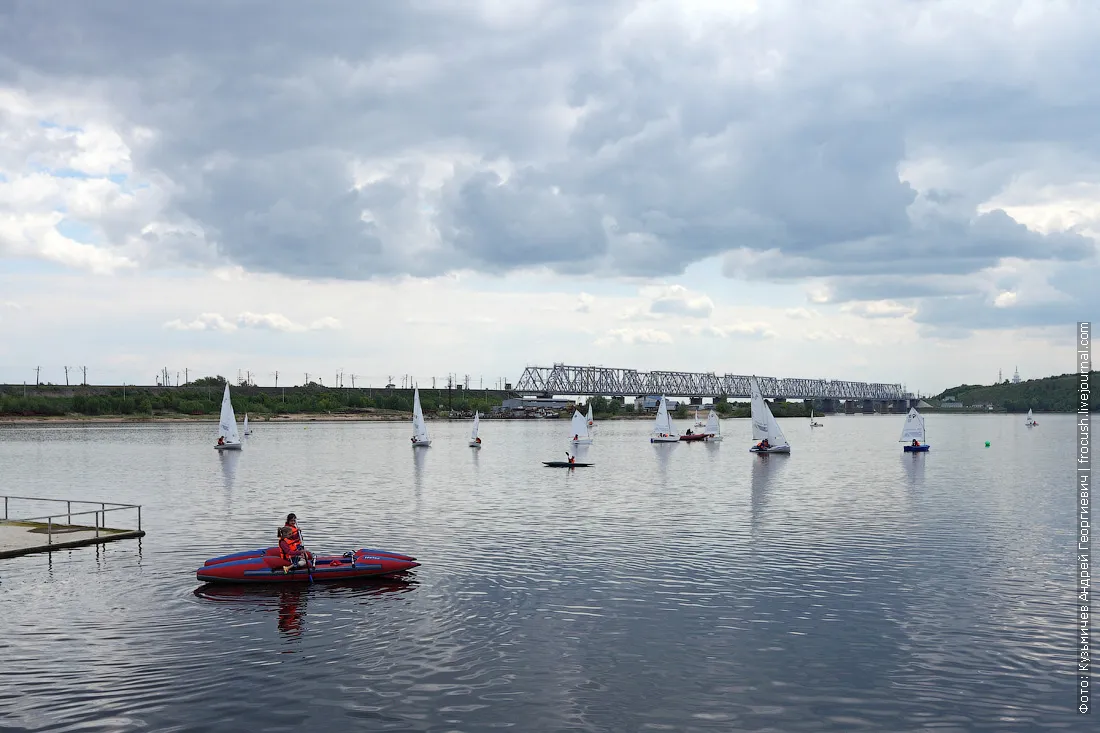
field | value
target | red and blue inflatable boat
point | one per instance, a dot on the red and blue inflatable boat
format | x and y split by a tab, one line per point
266	566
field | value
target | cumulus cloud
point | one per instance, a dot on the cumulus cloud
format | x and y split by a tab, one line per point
801	313
258	321
634	336
625	138
878	309
758	330
677	300
585	304
204	322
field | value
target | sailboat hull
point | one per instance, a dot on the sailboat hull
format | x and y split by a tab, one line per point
582	441
228	446
664	439
713	438
475	444
422	444
773	449
916	448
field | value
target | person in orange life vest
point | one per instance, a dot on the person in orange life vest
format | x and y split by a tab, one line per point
296	536
292	523
293	553
477	440
763	444
916	443
576	438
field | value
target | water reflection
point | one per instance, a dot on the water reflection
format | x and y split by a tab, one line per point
288	603
914	468
419	461
229	460
662	452
766	473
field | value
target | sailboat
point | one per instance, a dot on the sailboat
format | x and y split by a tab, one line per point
712	430
228	439
662	428
590	421
764	426
246	432
913	433
578	428
814	423
420	438
475	441
698	423
1030	422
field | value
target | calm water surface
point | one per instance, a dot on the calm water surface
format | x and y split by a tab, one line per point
685	587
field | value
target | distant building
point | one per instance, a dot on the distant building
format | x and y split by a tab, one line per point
1016	376
649	403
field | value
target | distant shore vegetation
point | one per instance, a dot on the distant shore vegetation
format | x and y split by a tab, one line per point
202	398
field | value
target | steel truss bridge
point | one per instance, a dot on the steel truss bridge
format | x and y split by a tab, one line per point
562	379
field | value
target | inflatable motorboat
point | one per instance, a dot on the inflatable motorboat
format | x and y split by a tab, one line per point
693	437
266	566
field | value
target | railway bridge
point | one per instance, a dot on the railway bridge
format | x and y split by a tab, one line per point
826	394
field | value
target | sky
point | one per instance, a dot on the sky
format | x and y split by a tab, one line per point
901	191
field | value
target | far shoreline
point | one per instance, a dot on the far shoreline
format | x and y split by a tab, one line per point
396	417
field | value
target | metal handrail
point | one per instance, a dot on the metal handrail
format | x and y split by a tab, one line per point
100	518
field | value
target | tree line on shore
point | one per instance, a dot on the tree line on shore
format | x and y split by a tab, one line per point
203	397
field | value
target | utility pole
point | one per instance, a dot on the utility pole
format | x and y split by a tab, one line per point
307	379
85	375
467	382
177	379
67	376
276	374
37	372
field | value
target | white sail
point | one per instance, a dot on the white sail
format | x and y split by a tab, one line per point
764	424
246	430
590	421
914	427
477	423
663	424
420	428
712	427
1030	418
227	425
578	428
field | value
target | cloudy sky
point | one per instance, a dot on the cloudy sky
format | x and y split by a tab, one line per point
902	191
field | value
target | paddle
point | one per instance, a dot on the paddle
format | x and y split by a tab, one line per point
305	553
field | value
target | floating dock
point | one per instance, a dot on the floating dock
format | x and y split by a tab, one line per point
22	535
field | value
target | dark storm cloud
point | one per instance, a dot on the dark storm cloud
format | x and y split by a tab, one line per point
619	138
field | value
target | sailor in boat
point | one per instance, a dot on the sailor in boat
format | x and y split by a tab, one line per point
221	440
916	443
689	432
477	440
572	459
292	524
294	555
764	444
576	438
